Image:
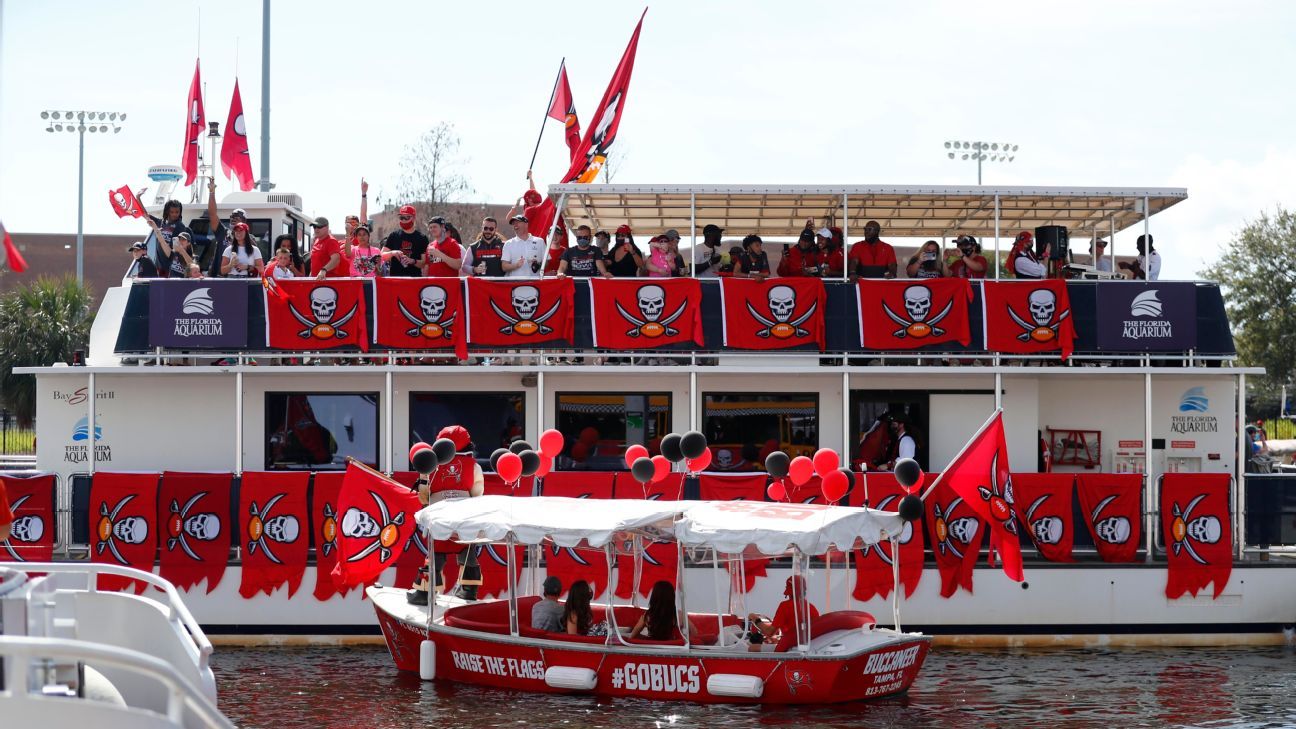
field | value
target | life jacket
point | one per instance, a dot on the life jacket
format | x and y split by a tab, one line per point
454	479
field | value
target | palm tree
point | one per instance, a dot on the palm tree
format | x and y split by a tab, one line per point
40	323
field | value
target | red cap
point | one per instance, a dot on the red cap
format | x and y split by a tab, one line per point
456	433
1025	235
531	197
241	226
623	230
406	210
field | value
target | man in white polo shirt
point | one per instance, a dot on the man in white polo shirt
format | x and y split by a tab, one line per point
523	253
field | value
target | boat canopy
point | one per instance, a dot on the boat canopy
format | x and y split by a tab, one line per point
732	527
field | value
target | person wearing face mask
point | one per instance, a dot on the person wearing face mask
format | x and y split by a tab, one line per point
603	242
706	257
584	260
485	252
405	248
626	259
970	264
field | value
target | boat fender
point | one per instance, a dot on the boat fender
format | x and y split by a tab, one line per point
571	678
427	660
735	684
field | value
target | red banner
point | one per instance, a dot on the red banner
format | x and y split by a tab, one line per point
272	530
31	500
1028	317
639	314
235	159
980	475
1198	532
660	559
520	312
125	203
1112	504
874	571
588	159
1043	505
195	121
956	535
738	487
317	314
195	542
563	108
377	519
325	528
773	314
420	313
912	314
123	524
568	563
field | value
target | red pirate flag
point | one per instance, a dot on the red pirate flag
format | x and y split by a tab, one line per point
635	314
1112	508
520	312
570	563
195	120
9	255
272	531
324	529
660	560
1198	532
1043	505
874	566
588	159
1028	317
125	203
235	159
956	535
123	524
420	313
377	520
563	108
773	314
31	500
195	541
316	314
913	314
738	487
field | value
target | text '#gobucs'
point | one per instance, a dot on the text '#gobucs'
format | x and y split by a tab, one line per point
657	677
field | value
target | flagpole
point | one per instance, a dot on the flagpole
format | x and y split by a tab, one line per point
548	106
997	412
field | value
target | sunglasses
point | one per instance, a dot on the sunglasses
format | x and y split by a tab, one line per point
488	230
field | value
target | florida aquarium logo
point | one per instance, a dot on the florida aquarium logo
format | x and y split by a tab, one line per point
79	450
1193	401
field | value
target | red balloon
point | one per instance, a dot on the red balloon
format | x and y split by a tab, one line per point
551	443
634	453
589	435
420	446
835	486
826	461
661	467
580	451
776	491
509	467
700	463
546	465
800	470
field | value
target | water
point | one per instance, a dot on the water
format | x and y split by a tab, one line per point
358	687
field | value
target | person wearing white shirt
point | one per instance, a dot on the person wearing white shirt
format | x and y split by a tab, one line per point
706	255
1101	261
523	252
905	444
1147	267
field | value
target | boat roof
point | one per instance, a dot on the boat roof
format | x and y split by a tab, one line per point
913	211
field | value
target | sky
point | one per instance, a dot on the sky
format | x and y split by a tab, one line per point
1122	94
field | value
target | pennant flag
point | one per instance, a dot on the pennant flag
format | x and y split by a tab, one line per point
956	535
738	487
568	563
1198	532
126	203
235	159
773	314
1043	503
317	314
589	157
660	561
272	530
520	312
631	314
377	520
195	544
1112	504
909	315
195	120
10	256
563	109
420	313
325	526
31	501
123	524
1028	317
874	566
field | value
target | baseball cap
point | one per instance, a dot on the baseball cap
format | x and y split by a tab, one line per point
806	235
239	211
712	228
241	226
552	585
456	433
137	246
320	222
406	210
825	232
519	217
623	230
185	234
672	234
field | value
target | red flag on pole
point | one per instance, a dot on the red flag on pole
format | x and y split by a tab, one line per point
563	109
588	159
10	256
125	203
376	519
195	120
235	159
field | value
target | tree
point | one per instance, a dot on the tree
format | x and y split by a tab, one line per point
430	173
41	323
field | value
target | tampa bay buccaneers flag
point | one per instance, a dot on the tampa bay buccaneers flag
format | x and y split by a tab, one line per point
273	531
123	524
420	313
738	487
235	159
325	526
1028	317
956	535
195	538
874	565
316	314
31	500
1042	503
660	560
563	108
195	120
125	203
1198	532
588	159
9	255
377	520
520	312
773	314
632	314
909	314
1112	504
567	563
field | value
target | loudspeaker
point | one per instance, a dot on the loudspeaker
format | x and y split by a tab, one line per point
1055	234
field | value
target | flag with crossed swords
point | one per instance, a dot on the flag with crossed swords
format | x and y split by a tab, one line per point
32	499
1196	526
910	314
874	574
123	524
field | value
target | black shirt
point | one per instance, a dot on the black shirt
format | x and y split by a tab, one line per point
582	261
142	267
626	267
754	263
169	232
489	254
413	244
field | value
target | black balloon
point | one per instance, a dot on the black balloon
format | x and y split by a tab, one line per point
424	461
530	462
642	469
496	456
908	472
444	448
670	447
911	508
518	446
692	444
850	478
776	464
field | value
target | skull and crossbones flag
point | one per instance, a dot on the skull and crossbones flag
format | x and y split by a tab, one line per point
568	563
1112	507
1043	505
325	527
376	523
874	570
194	541
1198	532
420	313
272	531
126	203
317	315
775	314
123	525
235	158
646	313
31	500
520	312
956	535
195	123
1028	317
913	314
588	159
660	560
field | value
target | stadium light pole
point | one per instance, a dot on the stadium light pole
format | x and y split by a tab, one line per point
81	122
981	152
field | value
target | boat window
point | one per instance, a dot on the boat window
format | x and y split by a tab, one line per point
599	426
318	430
871	414
494	419
744	427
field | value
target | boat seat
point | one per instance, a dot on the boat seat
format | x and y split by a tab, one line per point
490	616
827	623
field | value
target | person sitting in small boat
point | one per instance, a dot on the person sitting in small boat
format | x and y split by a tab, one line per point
577	616
548	613
791	611
661	620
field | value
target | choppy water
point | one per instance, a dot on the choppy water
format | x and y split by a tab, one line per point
358	687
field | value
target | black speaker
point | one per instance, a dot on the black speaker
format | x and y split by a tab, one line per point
1055	234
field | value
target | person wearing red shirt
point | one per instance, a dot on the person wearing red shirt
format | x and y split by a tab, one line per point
872	257
444	255
790	612
832	258
801	259
971	264
326	253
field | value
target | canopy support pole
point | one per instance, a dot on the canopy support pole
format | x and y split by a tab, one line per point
845	235
996	261
895	583
512	585
1149	499
1239	481
91	430
238	422
692	259
387	462
681	604
715	568
847	418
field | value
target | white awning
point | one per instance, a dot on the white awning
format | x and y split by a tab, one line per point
774	528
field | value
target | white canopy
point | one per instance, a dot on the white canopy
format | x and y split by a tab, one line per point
729	526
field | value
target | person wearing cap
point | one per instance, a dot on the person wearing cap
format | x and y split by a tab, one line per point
603	241
175	252
1098	254
676	260
832	257
241	258
658	263
1147	267
444	255
404	248
970	263
625	260
547	614
872	257
793	611
221	233
365	257
461	478
326	259
706	257
754	261
539	210
583	261
803	258
352	222
1023	262
523	252
141	266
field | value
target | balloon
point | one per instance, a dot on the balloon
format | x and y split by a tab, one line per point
911	508
692	444
423	458
444	448
546	465
701	462
661	467
800	470
530	462
835	486
670	447
509	467
776	491
908	472
551	443
776	464
850	478
634	453
580	451
589	435
826	461
518	446
494	459
642	469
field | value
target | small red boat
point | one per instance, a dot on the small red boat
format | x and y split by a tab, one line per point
834	657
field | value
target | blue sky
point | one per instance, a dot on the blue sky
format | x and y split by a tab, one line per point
1132	94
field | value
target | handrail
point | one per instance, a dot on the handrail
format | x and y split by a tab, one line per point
181	694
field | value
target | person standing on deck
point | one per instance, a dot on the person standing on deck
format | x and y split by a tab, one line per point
872	257
461	478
